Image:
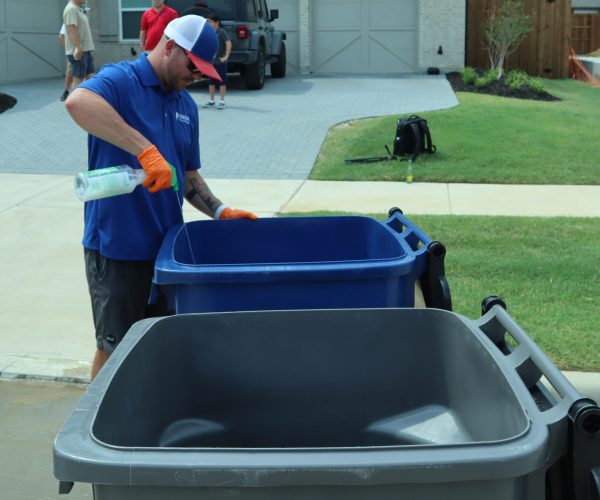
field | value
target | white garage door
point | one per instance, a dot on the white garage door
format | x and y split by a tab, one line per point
288	22
364	36
29	46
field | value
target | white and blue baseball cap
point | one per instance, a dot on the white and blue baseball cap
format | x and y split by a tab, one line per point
197	37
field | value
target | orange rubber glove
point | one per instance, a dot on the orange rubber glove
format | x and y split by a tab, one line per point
158	173
234	213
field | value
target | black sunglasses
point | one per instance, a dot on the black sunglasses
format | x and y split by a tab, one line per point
191	66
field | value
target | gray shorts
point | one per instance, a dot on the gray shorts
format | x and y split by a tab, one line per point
119	290
83	67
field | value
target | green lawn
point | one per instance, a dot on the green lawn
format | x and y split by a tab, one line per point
546	270
486	139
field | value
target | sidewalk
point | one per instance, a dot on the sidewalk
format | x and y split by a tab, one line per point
446	199
46	315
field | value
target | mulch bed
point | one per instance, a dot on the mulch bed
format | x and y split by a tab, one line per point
6	102
499	88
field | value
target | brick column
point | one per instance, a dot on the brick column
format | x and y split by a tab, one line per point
304	35
442	24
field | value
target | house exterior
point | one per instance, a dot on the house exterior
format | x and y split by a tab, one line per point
323	36
585	6
372	36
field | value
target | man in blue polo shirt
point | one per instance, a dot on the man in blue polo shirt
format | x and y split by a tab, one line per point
139	114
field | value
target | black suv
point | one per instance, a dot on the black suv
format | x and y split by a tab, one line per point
255	42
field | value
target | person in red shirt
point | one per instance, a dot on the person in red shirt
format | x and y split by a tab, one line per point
154	21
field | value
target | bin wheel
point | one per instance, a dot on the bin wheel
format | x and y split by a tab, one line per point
491	301
393	210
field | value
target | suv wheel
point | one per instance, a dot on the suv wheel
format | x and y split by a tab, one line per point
254	75
278	68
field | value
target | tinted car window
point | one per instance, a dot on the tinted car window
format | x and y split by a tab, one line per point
227	9
263	7
250	10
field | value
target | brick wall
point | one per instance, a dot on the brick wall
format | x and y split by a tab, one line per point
442	23
108	48
113	52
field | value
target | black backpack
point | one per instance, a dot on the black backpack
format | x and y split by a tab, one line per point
412	138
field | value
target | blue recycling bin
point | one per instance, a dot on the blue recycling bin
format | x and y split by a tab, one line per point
291	263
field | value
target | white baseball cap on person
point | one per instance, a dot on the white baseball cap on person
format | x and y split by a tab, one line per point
198	38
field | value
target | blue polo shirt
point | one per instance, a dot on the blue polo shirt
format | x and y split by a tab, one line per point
132	226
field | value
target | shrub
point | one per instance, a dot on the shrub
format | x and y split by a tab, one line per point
536	84
516	79
480	82
468	75
491	75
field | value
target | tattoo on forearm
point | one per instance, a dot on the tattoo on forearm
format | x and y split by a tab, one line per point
191	194
201	196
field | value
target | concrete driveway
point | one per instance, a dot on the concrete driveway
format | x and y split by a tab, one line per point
294	114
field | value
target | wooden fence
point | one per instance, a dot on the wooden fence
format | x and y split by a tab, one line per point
545	51
585	33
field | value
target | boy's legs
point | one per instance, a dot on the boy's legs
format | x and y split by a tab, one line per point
222	70
212	86
211	94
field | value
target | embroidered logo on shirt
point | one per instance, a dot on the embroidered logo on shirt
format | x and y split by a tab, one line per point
182	118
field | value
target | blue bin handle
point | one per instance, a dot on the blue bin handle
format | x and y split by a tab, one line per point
429	255
411	237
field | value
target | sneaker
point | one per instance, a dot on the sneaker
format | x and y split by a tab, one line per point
209	104
64	95
221	105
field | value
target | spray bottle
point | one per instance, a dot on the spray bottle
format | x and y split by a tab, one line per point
110	181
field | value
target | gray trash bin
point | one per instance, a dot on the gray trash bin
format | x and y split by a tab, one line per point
317	404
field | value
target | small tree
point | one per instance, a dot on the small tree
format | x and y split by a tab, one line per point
504	29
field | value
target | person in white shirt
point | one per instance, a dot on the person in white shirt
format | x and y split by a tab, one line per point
69	70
